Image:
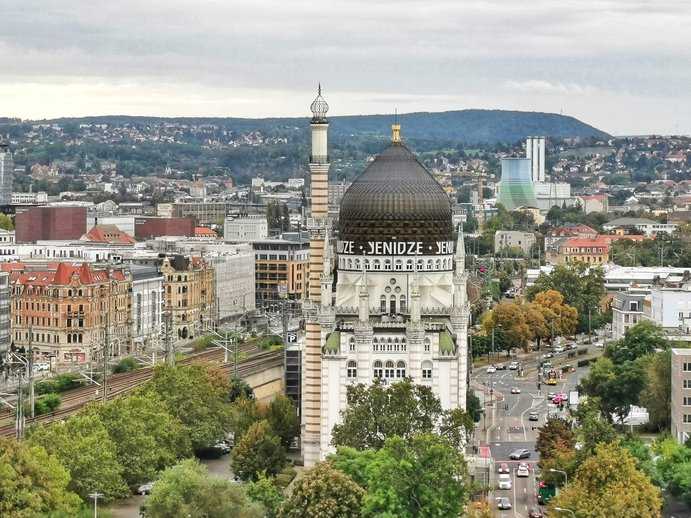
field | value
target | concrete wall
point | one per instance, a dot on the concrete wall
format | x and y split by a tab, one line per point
267	384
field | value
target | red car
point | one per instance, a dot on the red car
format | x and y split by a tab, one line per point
503	468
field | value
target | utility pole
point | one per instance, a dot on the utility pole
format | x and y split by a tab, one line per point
30	374
170	348
106	351
590	331
19	423
95	495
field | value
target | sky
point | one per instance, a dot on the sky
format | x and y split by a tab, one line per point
623	66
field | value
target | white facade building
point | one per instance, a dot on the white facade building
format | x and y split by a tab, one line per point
147	308
535	151
6	174
245	229
234	282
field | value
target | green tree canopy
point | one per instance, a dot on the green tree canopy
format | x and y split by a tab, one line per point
639	340
258	451
608	485
657	393
197	398
187	489
32	482
617	386
283	419
82	445
147	438
325	492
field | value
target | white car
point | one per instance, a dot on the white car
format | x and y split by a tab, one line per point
504	481
523	470
491	369
515	390
558	349
145	489
513	366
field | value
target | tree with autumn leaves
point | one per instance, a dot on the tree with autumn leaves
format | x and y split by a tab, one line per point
520	322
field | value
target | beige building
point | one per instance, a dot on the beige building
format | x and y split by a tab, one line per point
189	294
681	394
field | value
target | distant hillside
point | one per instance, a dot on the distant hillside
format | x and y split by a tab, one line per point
467	126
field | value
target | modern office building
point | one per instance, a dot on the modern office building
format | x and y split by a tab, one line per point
516	185
535	152
281	264
6	174
245	229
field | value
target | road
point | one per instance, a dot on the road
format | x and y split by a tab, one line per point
505	426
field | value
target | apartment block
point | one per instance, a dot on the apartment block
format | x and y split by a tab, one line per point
681	394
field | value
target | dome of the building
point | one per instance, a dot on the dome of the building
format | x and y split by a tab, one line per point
395	199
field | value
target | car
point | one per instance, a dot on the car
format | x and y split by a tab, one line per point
535	512
491	369
533	416
521	453
600	345
523	470
547	356
222	446
503	468
546	365
145	489
558	349
558	398
513	366
504	481
41	367
501	367
515	390
503	503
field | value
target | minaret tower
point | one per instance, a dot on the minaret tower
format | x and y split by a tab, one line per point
460	313
316	224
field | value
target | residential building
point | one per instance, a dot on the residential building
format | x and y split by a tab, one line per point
646	226
572	230
514	239
281	264
234	278
627	311
245	229
670	308
108	234
5	323
147	307
594	203
189	295
205	232
681	394
586	250
68	313
202	211
50	223
29	198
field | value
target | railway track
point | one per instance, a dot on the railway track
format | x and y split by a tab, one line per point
119	384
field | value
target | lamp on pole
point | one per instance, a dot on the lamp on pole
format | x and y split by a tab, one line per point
563	510
95	495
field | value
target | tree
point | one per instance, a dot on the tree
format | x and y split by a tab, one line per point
608	485
197	398
639	340
581	285
283	419
265	492
554	436
560	318
243	414
376	412
422	476
187	489
617	387
473	406
32	482
509	317
147	438
258	451
6	222
239	388
535	319
325	492
82	445
656	396
593	429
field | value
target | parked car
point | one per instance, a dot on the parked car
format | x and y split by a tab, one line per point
145	489
550	395
503	503
519	454
558	349
500	367
503	468
535	512
504	481
515	390
223	447
533	416
513	366
523	470
491	369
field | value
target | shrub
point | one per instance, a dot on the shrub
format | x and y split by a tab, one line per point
47	404
126	365
59	383
268	341
285	477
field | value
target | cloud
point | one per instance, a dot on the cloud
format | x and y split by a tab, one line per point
538	86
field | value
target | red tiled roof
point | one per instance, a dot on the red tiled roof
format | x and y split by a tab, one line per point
108	234
64	273
578	242
204	232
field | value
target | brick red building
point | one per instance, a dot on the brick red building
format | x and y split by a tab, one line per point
147	228
50	223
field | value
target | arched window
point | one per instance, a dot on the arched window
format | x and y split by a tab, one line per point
387	264
398	265
400	369
378	372
427	370
375	345
409	265
428	345
430	264
366	263
352	369
392	304
403	305
382	303
351	344
349	263
376	264
438	264
389	370
420	264
357	264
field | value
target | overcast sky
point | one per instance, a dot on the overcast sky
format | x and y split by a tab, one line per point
621	65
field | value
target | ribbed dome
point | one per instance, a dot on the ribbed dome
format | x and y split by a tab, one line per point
395	198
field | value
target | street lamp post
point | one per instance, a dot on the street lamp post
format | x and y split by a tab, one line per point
564	510
566	475
95	495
